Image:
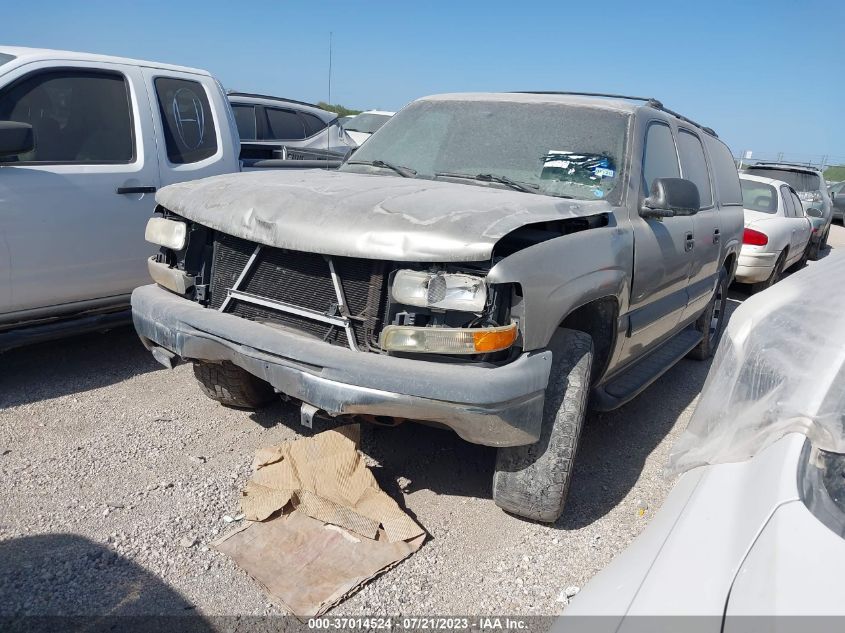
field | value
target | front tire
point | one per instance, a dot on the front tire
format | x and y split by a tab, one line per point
711	323
533	481
232	386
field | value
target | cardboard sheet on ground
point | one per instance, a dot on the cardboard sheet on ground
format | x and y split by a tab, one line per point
319	525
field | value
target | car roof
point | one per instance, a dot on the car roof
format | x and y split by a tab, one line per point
25	55
382	112
763	179
257	99
620	105
807	169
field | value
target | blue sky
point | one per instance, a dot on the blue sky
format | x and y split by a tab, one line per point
768	76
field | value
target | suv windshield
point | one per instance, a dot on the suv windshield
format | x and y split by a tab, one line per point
800	180
554	149
758	196
367	123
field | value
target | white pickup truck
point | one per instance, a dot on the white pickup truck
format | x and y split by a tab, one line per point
85	142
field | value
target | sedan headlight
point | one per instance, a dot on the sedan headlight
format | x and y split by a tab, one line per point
168	233
446	291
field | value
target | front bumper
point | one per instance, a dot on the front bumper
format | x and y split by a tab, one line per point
754	267
484	404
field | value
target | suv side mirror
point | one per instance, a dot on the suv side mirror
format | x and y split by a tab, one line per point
670	197
813	212
15	138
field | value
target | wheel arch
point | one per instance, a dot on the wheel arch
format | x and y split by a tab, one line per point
599	319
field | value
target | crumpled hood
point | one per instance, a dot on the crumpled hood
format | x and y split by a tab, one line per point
362	215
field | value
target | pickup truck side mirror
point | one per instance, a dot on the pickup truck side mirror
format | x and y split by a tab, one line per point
15	139
813	212
670	197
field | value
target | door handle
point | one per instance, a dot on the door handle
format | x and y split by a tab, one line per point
717	236
124	190
690	243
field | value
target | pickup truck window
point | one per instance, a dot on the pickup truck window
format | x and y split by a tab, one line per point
660	159
186	118
245	120
284	125
694	165
76	116
553	149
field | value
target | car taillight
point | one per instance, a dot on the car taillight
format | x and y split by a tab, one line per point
754	238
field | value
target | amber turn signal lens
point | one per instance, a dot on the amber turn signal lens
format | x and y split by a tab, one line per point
494	339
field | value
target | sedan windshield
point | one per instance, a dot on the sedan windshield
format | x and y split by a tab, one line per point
758	196
799	180
367	123
546	148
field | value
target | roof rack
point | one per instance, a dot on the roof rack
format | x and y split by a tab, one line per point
649	101
233	93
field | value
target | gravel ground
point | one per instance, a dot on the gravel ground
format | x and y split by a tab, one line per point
116	475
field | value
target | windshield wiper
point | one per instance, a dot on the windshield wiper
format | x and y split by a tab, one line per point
513	184
405	172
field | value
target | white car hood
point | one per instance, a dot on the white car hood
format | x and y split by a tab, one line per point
367	216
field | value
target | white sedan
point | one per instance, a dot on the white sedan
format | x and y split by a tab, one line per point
777	231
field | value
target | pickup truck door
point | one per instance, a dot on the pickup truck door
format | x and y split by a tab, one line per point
662	253
193	117
707	247
73	210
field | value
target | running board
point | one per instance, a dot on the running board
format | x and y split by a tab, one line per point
636	378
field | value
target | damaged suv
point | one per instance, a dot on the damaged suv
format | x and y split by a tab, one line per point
485	282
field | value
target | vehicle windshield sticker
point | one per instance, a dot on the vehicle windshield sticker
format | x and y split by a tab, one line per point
189	116
598	193
588	169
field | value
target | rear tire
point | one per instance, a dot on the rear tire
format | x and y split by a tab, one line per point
533	481
777	273
814	250
711	323
232	386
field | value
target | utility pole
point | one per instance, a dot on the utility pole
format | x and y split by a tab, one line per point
330	66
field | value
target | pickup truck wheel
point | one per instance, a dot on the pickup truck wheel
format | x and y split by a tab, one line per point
232	386
711	323
532	481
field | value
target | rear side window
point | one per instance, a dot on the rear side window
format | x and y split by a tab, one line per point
76	116
799	208
284	125
788	205
724	173
189	132
660	159
694	165
758	196
245	120
313	124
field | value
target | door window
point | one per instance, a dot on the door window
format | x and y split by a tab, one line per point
660	159
284	125
788	205
189	132
245	120
76	116
796	202
694	165
313	124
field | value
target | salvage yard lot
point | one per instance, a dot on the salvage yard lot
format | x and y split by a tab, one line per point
98	441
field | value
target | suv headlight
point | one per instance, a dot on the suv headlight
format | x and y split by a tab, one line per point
447	291
168	233
448	340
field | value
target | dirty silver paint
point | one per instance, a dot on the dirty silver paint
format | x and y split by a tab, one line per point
369	216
